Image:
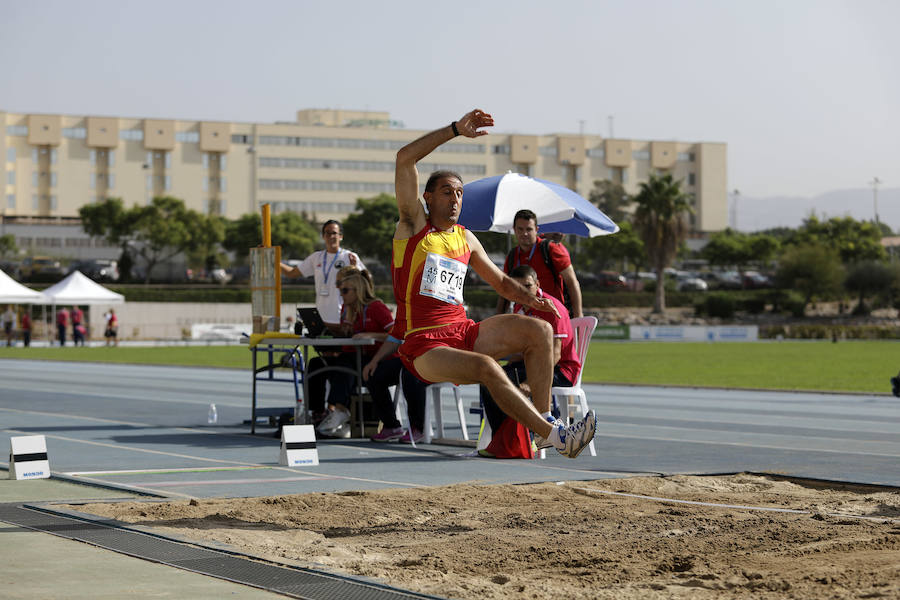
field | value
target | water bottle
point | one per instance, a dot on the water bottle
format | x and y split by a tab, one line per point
213	417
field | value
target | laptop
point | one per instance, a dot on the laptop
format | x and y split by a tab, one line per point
315	326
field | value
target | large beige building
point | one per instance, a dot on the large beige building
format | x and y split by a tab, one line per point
319	164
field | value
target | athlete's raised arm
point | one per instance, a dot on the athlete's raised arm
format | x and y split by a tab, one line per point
406	177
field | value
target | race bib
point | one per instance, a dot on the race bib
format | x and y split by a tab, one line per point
443	278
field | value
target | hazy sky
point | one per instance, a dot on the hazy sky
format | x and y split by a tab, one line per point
806	93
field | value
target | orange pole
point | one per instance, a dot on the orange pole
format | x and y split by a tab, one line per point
266	226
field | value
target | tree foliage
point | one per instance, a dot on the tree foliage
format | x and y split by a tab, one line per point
293	232
661	223
369	231
110	221
814	270
853	240
164	229
867	278
8	245
605	251
733	248
611	198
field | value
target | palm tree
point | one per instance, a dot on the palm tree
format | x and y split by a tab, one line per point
660	221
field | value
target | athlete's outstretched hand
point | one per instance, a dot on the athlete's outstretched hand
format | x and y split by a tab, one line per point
472	121
544	305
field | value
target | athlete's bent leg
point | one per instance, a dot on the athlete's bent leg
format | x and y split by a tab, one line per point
461	367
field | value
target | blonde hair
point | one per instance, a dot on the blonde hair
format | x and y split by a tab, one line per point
361	282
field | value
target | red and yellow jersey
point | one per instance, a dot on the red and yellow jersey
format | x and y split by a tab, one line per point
428	271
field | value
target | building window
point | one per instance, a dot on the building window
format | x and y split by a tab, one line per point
640	154
167	182
92	156
547	150
11	155
222	184
206	184
11	178
11	201
111	181
135	135
187	136
93	181
53	179
241	138
500	149
35	203
78	133
111	161
53	204
596	152
34	179
692	179
17	130
205	160
149	182
168	156
326	186
34	155
222	162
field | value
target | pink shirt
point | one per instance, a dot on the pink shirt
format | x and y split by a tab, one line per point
562	328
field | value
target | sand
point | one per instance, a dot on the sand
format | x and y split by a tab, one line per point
570	540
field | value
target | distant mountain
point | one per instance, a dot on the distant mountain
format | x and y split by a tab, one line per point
755	214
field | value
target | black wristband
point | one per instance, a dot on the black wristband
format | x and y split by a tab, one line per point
453	127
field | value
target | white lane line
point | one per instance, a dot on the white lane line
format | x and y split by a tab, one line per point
161	471
602	434
152	484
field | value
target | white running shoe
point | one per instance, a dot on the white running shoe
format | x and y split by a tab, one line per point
334	420
541	443
576	437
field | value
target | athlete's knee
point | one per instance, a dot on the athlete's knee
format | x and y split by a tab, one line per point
538	332
487	370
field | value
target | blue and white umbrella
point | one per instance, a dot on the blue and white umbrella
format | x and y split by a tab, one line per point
490	204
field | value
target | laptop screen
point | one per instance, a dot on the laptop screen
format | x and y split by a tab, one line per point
315	327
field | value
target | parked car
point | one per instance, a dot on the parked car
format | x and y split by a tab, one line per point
756	281
690	283
99	269
42	267
610	279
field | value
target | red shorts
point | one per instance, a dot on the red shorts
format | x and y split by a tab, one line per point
460	335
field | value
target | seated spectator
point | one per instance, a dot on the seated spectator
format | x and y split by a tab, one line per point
362	316
565	356
381	373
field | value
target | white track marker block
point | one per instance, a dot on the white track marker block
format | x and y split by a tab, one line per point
298	446
28	458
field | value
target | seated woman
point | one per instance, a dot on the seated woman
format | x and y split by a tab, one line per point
362	316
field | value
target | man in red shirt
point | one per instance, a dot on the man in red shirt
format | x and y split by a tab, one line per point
529	252
565	355
62	323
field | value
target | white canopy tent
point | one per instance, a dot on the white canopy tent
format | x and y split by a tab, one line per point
78	289
13	292
81	290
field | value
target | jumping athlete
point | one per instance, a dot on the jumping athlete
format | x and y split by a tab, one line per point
431	254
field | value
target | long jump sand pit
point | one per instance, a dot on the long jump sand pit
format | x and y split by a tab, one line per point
572	540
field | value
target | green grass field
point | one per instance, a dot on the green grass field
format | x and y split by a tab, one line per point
845	366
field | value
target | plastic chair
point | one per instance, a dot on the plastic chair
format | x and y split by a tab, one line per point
574	397
432	411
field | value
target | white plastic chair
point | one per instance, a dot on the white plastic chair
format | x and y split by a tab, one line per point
432	411
566	398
